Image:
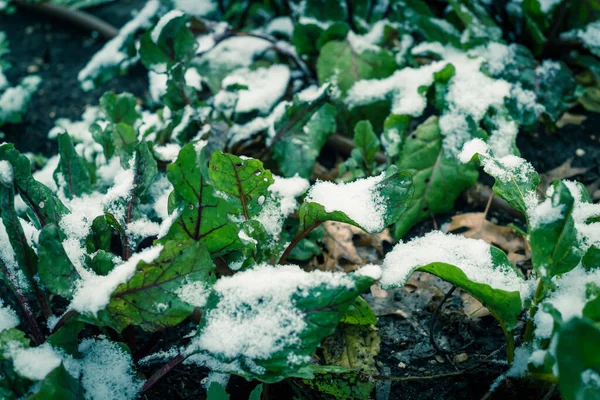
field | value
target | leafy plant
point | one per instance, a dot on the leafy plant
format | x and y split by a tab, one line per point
153	217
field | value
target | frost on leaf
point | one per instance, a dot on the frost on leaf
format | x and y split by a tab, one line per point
267	322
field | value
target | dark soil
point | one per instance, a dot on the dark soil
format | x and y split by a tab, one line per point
58	52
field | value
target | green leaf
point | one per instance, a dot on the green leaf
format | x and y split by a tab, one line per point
145	169
174	43
394	192
120	108
472	265
359	313
438	178
160	293
275	327
515	182
366	145
203	216
591	258
25	259
256	393
46	208
216	392
341	64
556	88
57	272
58	384
555	248
67	337
578	353
392	138
353	347
72	170
336	383
242	181
480	27
301	133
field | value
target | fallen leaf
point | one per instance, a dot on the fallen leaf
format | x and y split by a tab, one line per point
472	307
565	170
570	119
504	237
339	246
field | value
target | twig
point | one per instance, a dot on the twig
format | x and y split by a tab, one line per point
434	321
77	18
420	378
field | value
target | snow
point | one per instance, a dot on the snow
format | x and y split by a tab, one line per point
107	371
6	173
157	85
590	35
472	256
163	22
587	233
9	259
568	298
34	362
475	146
234	52
256	315
188	113
265	86
112	54
79	131
359	200
167	152
194	293
93	291
281	25
548	5
8	317
370	271
197	8
281	203
403	85
545	213
368	41
312	93
14	99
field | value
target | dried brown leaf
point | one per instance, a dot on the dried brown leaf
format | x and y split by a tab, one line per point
570	119
504	237
565	170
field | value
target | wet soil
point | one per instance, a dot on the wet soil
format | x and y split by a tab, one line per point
475	346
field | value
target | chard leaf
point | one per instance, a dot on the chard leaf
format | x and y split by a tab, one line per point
556	88
274	328
438	178
58	384
480	27
516	180
362	158
174	43
67	337
342	65
25	257
301	133
472	265
120	108
203	216
422	21
555	248
72	170
119	135
353	347
242	181
145	170
359	313
160	293
46	208
56	271
394	191
336	383
578	354
216	391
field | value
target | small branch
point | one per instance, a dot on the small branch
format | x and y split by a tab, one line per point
77	18
162	372
481	194
419	378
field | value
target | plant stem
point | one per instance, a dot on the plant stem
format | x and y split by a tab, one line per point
162	372
38	338
297	240
537	297
510	347
63	320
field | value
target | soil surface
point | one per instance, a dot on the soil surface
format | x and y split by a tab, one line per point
473	353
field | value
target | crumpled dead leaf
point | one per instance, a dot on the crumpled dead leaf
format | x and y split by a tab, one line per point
565	170
350	247
570	119
504	237
352	346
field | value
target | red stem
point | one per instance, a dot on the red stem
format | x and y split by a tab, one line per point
38	338
297	240
162	372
